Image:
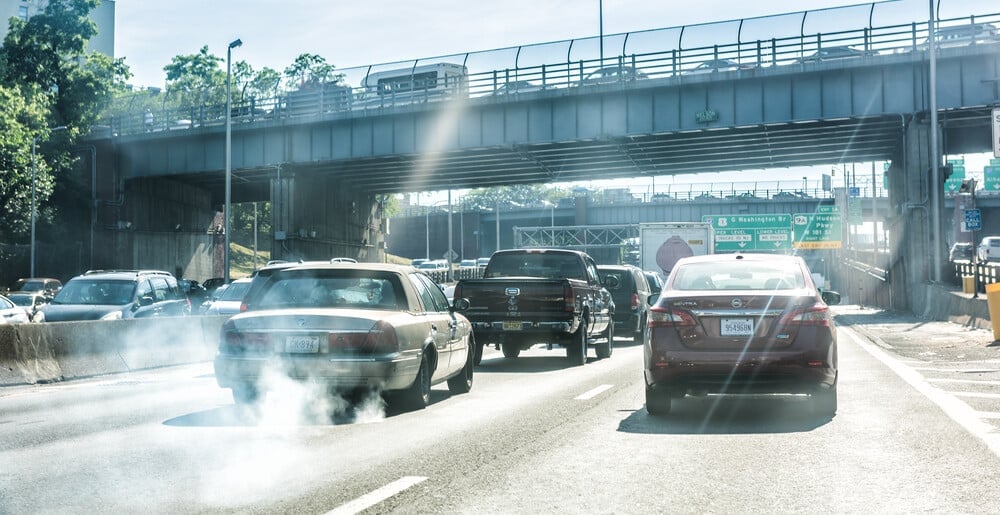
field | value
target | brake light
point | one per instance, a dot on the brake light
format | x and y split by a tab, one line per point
380	339
635	301
569	300
243	307
818	314
663	317
242	343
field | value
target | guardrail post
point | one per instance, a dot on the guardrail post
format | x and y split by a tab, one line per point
774	52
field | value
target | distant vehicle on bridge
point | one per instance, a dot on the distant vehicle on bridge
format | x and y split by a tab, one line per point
423	83
962	35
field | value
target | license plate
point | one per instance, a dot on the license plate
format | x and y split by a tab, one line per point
736	327
512	325
302	344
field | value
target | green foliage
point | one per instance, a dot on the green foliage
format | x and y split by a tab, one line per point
20	115
518	194
242	222
311	69
196	79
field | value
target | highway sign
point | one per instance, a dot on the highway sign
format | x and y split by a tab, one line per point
820	230
973	220
996	132
751	232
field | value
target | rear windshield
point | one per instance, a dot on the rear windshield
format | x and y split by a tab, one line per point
737	275
330	289
96	292
536	265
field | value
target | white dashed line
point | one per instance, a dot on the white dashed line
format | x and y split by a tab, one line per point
594	393
964	381
977	395
368	500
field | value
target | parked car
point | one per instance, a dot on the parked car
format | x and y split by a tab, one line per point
348	326
613	74
228	302
31	303
11	313
961	251
739	324
46	285
833	53
630	292
719	65
467	263
118	294
989	249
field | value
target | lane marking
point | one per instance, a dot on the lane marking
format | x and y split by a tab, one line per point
594	393
371	499
964	381
988	414
977	394
958	370
957	410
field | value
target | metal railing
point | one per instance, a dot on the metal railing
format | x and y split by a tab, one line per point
646	58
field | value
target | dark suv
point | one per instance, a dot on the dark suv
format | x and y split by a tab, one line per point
118	294
631	299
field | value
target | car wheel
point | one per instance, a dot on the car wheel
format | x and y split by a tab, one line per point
462	382
245	394
576	347
477	356
657	401
825	402
606	346
511	349
418	395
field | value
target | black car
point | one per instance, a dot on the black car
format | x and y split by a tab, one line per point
631	294
116	295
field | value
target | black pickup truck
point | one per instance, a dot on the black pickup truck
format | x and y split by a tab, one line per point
531	296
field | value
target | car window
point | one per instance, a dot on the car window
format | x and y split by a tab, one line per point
431	296
161	290
143	289
329	289
736	276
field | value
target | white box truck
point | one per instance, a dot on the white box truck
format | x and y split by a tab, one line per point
662	244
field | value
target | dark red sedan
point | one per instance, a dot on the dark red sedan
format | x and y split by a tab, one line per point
741	324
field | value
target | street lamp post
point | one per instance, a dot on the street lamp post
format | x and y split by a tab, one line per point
34	173
229	147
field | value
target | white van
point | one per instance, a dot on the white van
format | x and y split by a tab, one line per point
421	83
989	249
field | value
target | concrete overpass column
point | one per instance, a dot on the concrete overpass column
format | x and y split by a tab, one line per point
282	203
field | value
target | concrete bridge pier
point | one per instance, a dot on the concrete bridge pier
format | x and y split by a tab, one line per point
318	216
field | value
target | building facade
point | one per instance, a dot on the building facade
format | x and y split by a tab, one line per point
103	16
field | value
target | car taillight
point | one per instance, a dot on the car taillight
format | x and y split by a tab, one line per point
635	301
569	300
817	314
240	343
663	317
380	339
243	307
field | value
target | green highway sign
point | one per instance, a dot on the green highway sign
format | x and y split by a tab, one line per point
751	232
819	230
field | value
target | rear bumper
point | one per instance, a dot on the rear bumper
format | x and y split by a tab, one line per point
514	328
391	372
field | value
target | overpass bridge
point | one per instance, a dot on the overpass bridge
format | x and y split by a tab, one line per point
324	156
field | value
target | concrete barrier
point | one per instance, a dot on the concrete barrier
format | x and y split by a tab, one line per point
36	353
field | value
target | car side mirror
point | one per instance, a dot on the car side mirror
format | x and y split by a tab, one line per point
461	304
652	299
145	300
830	297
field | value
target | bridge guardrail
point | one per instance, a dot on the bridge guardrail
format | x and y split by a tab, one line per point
649	52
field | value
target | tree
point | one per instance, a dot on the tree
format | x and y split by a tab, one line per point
311	69
518	194
195	80
20	114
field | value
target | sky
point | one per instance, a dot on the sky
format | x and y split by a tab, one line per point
349	33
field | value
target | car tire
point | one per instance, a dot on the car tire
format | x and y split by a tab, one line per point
511	349
825	402
606	346
477	356
462	382
245	394
418	395
658	401
576	347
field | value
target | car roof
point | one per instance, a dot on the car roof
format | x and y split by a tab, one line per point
121	274
751	257
322	265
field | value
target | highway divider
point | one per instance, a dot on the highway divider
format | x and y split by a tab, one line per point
56	351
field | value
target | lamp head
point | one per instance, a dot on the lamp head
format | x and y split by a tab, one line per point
234	44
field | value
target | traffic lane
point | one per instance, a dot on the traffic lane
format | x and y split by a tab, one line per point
889	449
141	445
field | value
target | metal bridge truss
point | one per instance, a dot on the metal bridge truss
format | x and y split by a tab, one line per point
579	237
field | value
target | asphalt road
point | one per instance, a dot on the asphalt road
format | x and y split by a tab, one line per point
533	436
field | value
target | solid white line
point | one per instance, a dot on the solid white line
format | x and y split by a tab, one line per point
594	393
371	499
988	414
964	381
977	394
957	410
957	370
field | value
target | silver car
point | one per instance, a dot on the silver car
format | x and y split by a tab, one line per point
350	327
